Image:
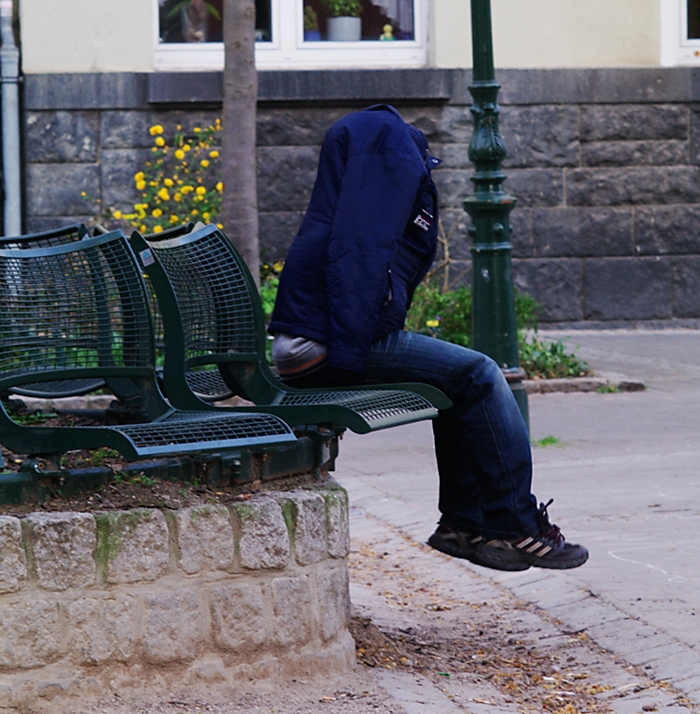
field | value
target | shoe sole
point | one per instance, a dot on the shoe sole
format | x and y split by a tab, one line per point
508	559
475	556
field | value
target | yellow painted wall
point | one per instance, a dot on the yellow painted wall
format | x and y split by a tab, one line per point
552	33
86	36
117	35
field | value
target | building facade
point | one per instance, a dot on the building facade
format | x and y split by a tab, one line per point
599	114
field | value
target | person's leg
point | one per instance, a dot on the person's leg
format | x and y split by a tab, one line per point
488	513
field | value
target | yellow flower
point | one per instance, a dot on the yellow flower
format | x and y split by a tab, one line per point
152	183
204	163
214	154
83	194
432	323
143	228
196	130
179	154
168	182
140	185
116	214
154	149
194	212
174	219
156	213
186	189
186	147
157	229
177	197
140	176
160	141
220	226
156	129
200	191
219	187
164	194
278	266
206	216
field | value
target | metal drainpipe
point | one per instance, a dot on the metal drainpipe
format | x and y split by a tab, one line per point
9	77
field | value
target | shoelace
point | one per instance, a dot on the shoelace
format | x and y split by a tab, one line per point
549	531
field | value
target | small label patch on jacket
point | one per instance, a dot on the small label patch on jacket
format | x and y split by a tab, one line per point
423	220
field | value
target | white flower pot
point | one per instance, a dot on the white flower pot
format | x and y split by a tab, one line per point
344	29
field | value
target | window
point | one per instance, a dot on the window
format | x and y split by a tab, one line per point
680	32
303	34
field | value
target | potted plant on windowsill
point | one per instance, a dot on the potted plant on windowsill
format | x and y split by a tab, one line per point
344	24
311	33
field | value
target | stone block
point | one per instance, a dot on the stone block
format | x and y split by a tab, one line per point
132	545
56	137
30	634
668	230
454	156
175	625
694	143
294	126
62	547
536	187
103	630
55	189
38	224
117	170
634	153
454	125
204	538
555	284
540	136
625	122
582	232
128	129
263	538
627	289
686	286
334	600
307	512
286	175
293	613
426	118
13	563
632	186
453	186
521	233
453	227
338	527
238	616
277	231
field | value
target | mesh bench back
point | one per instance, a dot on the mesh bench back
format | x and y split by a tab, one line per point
66	314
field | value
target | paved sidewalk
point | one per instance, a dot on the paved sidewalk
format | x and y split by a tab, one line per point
625	479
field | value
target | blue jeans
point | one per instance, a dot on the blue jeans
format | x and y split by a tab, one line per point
481	443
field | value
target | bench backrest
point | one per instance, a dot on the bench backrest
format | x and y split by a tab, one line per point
206	281
46	239
73	311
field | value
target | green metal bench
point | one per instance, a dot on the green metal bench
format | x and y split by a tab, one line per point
80	311
46	239
213	316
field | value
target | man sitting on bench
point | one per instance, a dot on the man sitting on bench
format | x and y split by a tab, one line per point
368	238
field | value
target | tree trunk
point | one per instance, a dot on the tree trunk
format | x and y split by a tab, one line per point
240	196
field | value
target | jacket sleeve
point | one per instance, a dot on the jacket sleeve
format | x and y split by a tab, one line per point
373	206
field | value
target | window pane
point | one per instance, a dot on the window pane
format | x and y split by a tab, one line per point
693	19
332	20
200	20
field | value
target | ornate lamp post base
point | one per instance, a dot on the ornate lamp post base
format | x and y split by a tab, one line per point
494	330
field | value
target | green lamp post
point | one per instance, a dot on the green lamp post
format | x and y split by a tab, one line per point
494	330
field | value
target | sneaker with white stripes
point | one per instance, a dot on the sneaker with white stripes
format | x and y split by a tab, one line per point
546	549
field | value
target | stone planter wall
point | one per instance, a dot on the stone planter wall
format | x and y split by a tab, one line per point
604	165
125	600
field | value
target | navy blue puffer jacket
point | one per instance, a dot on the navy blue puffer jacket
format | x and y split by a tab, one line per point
367	239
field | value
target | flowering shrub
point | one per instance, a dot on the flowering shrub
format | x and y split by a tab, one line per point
179	183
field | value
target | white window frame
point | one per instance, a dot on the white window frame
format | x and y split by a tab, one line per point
676	48
289	51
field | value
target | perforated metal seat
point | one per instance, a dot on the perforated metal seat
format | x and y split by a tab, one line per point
214	317
80	311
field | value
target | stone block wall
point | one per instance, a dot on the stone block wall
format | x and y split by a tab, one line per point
138	599
603	163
